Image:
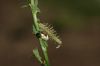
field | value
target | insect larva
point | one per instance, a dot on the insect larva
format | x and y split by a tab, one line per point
50	32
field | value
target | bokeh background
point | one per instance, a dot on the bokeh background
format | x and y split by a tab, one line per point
77	23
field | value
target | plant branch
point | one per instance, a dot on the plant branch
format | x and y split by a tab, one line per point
36	29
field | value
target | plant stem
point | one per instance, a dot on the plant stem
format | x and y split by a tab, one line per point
36	28
44	50
36	22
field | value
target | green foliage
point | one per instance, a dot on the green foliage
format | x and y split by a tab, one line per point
37	55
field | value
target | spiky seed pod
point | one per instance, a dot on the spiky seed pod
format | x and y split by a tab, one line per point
51	33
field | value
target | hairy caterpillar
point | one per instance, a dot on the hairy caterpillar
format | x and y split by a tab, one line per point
51	33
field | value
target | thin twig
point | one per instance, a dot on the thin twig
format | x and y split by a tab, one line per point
36	29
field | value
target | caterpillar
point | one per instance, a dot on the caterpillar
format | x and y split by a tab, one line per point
51	33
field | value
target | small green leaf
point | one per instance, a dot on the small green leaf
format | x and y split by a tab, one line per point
24	6
37	55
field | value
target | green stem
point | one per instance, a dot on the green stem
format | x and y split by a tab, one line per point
36	28
44	49
36	21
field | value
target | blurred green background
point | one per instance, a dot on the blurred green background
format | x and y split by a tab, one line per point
77	23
